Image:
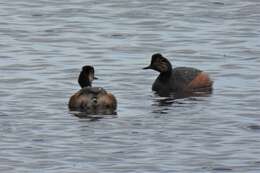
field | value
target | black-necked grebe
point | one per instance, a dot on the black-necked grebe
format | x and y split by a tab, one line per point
92	100
180	79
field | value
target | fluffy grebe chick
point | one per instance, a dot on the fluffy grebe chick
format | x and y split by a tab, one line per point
92	100
179	79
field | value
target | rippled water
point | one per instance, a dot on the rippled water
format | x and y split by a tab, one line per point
44	43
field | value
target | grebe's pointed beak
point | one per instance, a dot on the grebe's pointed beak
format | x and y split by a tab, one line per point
95	78
148	67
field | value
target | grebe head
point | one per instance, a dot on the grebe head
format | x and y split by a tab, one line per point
159	63
87	75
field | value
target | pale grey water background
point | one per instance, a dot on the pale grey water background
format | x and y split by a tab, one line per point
44	43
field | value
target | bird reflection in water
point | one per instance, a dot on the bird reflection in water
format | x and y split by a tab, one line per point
93	117
163	101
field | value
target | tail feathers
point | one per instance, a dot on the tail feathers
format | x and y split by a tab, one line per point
202	82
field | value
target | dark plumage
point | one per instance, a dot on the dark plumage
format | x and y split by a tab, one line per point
92	100
180	79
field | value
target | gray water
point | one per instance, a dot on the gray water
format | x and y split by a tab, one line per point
44	44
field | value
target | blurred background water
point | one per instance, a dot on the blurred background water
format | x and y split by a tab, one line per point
45	43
